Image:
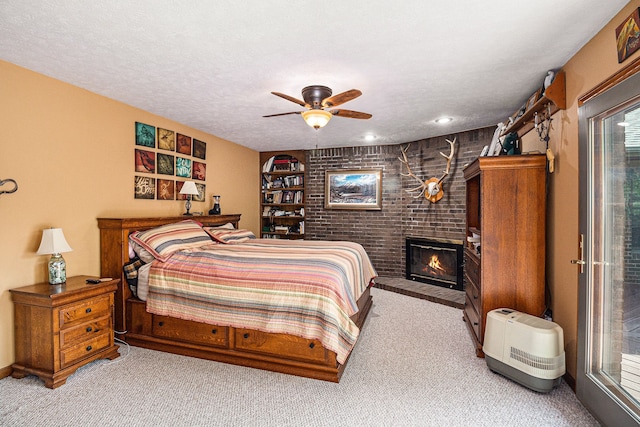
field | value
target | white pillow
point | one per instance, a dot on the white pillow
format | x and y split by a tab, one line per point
227	226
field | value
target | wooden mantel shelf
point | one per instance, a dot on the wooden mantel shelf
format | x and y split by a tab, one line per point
554	97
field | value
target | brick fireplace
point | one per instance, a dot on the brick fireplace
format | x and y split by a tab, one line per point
383	232
434	261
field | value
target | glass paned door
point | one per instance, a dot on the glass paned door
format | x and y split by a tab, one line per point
608	380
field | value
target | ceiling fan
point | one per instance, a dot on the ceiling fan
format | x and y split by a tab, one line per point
317	100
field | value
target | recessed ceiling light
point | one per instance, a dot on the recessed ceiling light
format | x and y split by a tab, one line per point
443	120
370	137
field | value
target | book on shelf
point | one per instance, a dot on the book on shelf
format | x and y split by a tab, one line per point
278	183
293	181
268	165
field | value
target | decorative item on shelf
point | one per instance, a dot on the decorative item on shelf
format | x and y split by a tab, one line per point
189	189
543	124
4	181
511	144
54	243
548	80
432	187
216	206
496	146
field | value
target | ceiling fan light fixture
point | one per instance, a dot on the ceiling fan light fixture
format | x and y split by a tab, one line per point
316	118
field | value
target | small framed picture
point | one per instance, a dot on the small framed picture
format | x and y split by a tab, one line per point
166	164
183	145
628	36
145	135
166	189
183	167
202	191
166	139
199	171
144	187
199	149
145	161
531	102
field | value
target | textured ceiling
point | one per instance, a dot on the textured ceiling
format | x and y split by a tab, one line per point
211	65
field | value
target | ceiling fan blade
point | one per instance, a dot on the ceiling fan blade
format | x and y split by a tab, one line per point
292	99
351	114
282	114
341	98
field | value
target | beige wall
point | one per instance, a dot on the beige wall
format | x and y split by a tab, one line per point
594	63
71	153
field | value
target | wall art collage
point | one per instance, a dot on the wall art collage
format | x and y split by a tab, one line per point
164	160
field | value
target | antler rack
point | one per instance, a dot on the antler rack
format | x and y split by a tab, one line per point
431	188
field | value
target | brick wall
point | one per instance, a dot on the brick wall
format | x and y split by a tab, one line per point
383	232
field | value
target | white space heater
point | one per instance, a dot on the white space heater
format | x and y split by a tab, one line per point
527	349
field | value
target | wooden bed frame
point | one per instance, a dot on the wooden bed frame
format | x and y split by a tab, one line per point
274	352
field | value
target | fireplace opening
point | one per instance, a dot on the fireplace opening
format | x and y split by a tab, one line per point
435	261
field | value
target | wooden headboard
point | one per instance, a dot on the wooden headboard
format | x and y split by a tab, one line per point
114	249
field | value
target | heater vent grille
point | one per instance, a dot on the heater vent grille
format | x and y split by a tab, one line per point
538	362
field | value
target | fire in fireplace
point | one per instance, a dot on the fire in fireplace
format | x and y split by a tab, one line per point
435	261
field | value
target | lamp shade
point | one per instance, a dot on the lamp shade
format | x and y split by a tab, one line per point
316	118
53	242
189	187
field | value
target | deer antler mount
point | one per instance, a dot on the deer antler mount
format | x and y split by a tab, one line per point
432	187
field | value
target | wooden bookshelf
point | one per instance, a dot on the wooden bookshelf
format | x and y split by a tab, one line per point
282	194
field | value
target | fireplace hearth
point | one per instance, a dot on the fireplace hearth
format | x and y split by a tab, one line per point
435	261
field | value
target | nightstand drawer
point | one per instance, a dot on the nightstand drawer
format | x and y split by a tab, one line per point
85	349
85	331
85	310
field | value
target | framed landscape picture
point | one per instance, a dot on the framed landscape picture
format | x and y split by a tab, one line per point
353	189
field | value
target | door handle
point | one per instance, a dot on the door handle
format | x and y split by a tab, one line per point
580	261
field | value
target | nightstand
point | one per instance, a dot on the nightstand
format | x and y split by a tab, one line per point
58	329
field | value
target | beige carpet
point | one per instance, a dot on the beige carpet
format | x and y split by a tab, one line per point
414	365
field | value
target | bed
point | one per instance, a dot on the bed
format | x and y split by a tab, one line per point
159	324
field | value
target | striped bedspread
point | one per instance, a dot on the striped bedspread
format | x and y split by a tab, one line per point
299	287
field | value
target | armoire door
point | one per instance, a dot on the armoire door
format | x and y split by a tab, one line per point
608	373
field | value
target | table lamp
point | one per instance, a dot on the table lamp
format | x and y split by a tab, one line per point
189	189
54	243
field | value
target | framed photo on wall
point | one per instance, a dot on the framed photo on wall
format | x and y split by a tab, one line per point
353	189
628	36
145	135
